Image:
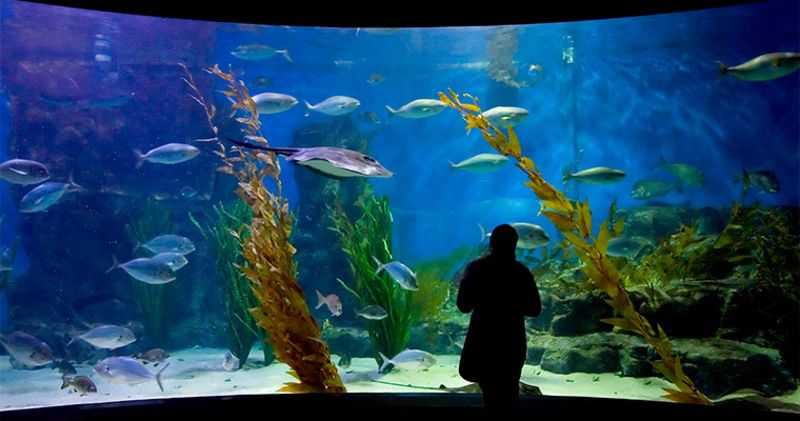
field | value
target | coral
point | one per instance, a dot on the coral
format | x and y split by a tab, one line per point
239	299
574	221
293	333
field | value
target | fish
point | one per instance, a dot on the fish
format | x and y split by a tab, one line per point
23	171
332	162
45	195
628	247
261	82
372	312
418	108
107	337
370	117
258	52
65	367
146	270
82	384
126	370
174	260
230	362
685	173
765	67
596	175
26	349
651	189
501	117
344	361
170	153
376	78
410	359
273	103
155	355
170	243
335	105
332	301
481	163
400	273
531	236
766	181
188	192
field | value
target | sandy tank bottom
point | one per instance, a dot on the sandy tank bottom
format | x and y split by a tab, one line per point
197	372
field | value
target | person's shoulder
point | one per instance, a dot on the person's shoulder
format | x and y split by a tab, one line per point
478	261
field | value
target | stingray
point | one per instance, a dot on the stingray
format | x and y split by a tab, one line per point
336	163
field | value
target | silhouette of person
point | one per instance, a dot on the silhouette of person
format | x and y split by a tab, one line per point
500	292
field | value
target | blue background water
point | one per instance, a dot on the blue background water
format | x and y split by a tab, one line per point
639	89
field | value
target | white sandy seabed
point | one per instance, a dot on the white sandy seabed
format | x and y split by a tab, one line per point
39	388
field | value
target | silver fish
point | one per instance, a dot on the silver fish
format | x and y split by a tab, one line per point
171	153
766	181
372	312
27	349
531	236
686	173
272	103
107	337
335	105
418	108
147	270
23	171
45	195
766	67
501	117
170	243
485	162
410	359
596	175
400	273
174	260
336	163
258	52
126	370
650	189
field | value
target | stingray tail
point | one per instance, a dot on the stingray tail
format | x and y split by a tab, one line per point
158	376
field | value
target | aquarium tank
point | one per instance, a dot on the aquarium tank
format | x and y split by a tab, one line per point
197	208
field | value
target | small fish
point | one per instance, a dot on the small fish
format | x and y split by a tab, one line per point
174	260
418	108
410	359
273	103
107	337
765	67
596	175
336	163
628	247
82	384
45	195
481	163
370	117
188	192
651	189
229	362
155	355
171	153
261	82
372	312
400	273
685	173
766	181
331	301
27	349
344	361
531	236
23	171
501	117
146	270
126	370
65	367
376	78
170	243
335	105
258	52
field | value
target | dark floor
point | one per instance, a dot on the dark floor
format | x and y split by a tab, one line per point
380	407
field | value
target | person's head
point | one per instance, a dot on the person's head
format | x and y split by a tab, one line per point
504	240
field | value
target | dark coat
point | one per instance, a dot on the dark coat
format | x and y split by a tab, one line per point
500	292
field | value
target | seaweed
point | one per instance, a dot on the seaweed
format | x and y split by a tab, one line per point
574	221
282	310
153	300
365	241
242	329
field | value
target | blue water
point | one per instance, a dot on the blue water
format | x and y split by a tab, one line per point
639	89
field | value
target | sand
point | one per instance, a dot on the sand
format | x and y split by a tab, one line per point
197	372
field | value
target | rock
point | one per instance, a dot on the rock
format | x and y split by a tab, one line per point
542	322
348	341
580	314
690	310
635	361
587	354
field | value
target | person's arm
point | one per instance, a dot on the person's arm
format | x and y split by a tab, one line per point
531	301
466	292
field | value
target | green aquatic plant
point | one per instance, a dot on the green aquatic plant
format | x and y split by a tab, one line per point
282	311
366	242
574	221
154	301
242	329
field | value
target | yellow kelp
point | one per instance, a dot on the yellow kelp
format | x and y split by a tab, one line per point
574	221
294	335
